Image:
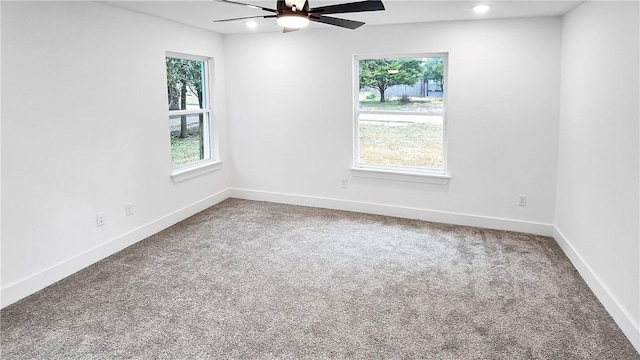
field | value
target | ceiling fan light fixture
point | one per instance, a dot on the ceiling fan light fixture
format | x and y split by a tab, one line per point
481	8
292	15
293	21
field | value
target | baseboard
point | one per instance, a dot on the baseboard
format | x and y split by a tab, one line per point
620	316
628	326
36	282
44	278
399	211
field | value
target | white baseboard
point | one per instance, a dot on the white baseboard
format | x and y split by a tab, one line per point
620	316
399	211
46	277
625	322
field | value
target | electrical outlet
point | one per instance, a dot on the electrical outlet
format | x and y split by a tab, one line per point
345	183
522	200
100	219
128	208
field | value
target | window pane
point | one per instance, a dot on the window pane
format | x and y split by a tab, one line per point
408	140
400	115
189	139
402	84
186	84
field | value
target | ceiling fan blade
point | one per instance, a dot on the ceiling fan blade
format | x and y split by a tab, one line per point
248	5
286	30
359	6
245	18
349	24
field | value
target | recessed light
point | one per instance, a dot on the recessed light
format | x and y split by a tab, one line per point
251	24
481	9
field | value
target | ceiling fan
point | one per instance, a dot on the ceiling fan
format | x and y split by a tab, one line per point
291	15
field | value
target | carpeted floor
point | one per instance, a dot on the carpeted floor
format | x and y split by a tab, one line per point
256	280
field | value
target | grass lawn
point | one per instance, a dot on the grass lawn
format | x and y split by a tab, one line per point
416	104
415	145
185	150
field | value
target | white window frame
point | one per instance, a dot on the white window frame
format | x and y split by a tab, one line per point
210	142
392	172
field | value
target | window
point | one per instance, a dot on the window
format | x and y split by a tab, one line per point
189	110
400	114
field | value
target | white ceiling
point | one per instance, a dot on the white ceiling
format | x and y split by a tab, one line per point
201	14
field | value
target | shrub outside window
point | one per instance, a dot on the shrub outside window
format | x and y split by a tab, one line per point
189	109
400	113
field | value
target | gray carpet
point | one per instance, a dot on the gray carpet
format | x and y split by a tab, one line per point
256	280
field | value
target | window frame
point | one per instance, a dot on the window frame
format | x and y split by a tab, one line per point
210	143
394	172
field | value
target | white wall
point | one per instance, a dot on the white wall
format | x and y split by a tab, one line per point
85	129
597	208
290	115
77	138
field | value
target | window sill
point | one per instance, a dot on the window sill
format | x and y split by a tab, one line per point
424	178
195	171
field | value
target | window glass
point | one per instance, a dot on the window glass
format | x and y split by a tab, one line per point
188	143
189	112
400	113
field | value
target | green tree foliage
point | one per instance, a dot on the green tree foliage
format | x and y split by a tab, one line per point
434	71
384	73
183	76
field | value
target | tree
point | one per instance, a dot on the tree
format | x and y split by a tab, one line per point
183	76
381	74
434	70
195	83
173	80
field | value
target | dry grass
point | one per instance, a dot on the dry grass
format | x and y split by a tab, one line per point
394	104
413	145
185	151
